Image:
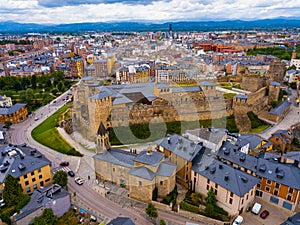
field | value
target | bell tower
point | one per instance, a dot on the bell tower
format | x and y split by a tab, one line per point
102	141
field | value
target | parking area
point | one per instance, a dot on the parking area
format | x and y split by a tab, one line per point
276	217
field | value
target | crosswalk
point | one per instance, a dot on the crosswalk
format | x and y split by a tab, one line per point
65	168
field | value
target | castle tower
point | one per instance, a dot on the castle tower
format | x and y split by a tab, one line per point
102	141
274	89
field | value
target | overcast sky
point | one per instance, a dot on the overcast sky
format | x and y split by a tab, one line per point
74	11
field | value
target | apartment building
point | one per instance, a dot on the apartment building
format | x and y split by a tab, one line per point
30	167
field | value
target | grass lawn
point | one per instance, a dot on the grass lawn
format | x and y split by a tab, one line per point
259	129
47	134
229	95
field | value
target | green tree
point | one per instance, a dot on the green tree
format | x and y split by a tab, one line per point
210	199
29	96
60	86
47	218
274	103
7	123
151	210
61	178
12	192
162	222
196	198
209	210
33	81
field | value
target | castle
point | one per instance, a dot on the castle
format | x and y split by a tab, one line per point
142	103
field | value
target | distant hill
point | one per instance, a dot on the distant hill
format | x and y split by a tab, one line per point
14	27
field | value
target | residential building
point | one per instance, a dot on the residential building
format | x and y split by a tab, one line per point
292	220
16	113
52	197
180	151
279	178
5	101
281	139
211	138
30	167
234	189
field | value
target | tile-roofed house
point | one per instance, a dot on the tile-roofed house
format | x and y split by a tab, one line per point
234	189
26	164
52	196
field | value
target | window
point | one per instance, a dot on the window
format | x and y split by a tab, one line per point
42	183
289	197
251	192
258	193
277	185
40	176
39	170
207	187
276	192
230	201
28	189
258	185
32	173
113	169
47	180
35	186
216	185
26	182
161	182
269	182
208	181
216	192
248	196
186	176
25	176
231	194
291	190
33	179
140	183
242	201
267	189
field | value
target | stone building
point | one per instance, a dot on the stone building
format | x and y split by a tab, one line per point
140	173
123	105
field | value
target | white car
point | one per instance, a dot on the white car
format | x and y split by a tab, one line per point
78	180
238	220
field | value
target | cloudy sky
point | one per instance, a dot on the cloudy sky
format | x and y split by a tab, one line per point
74	11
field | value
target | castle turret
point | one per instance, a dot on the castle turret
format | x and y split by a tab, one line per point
102	141
274	89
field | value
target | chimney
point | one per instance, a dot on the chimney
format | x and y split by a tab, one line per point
169	140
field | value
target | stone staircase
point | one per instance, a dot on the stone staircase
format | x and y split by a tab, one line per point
242	122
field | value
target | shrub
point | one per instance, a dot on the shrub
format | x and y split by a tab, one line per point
255	122
188	207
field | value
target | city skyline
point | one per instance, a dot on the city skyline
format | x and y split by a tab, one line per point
77	11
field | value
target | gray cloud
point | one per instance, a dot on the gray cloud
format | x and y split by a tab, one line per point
59	3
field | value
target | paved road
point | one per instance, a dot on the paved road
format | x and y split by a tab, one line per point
289	120
83	166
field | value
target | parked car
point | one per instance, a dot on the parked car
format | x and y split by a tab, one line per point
78	181
65	163
256	208
2	203
264	214
71	173
238	220
93	218
36	118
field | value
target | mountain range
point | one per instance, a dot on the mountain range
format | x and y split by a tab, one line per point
272	24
